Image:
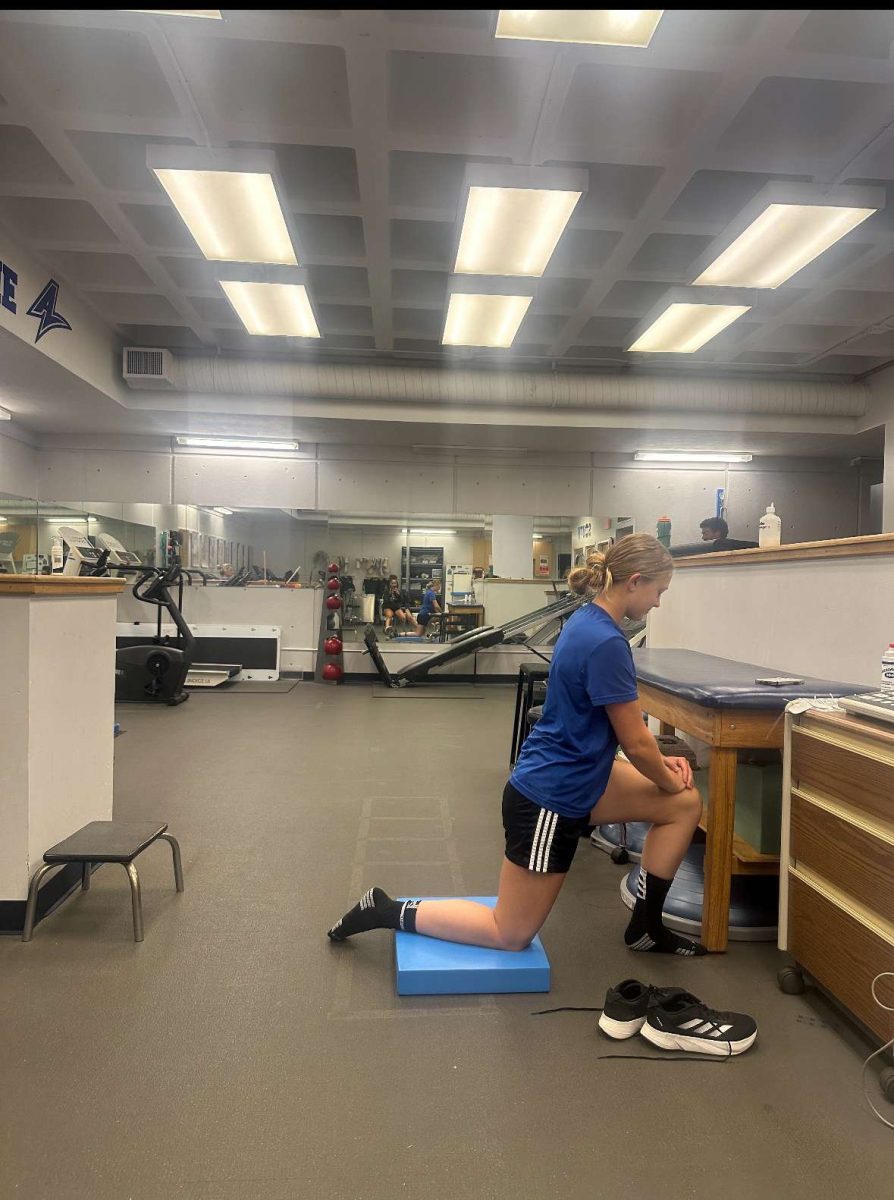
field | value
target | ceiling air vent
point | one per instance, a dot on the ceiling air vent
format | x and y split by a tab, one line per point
152	369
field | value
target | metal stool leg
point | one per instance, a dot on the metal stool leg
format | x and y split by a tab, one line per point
85	876
178	866
31	906
137	901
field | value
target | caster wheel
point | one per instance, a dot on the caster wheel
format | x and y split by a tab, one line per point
886	1082
791	981
620	856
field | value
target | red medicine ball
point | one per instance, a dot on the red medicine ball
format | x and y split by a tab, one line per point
333	568
334	584
332	671
332	646
333	602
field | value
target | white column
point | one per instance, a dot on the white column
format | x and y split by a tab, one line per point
513	541
888	481
57	697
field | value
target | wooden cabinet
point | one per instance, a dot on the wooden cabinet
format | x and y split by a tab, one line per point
836	913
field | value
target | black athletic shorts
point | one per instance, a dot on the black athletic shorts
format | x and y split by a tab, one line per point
536	838
424	618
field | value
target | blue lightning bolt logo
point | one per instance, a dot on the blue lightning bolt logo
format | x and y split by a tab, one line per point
44	307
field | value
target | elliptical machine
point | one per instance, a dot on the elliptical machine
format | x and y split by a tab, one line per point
157	671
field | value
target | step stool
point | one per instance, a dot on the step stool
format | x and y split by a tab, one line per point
105	842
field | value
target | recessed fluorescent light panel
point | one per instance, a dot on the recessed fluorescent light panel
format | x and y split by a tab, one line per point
431	532
225	443
697	456
512	231
272	309
474	320
783	239
234	216
593	26
685	328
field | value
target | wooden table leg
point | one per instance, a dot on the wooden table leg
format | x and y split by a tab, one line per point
667	729
719	849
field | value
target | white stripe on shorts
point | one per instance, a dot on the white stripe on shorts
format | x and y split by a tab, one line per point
532	860
546	841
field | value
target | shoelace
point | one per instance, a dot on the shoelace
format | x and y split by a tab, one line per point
685	1056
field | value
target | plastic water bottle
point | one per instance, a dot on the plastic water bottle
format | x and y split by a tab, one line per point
664	531
888	671
770	528
56	556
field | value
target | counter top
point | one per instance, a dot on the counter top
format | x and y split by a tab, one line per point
854	547
60	585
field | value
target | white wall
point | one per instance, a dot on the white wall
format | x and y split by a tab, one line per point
888	484
18	468
512	546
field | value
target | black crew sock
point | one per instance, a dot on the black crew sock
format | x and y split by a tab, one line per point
646	931
376	910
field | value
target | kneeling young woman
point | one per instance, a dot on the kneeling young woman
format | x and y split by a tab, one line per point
568	778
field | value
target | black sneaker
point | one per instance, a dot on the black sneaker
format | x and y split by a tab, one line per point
627	1004
683	1022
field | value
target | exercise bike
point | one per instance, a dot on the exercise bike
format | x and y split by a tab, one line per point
156	671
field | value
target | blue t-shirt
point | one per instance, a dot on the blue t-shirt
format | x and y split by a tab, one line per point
428	601
567	758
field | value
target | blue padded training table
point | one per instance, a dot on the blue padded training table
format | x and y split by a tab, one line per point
718	701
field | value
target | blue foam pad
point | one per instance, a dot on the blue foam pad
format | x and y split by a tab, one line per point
429	967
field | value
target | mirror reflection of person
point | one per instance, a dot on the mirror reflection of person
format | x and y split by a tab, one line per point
395	607
430	606
227	571
716	531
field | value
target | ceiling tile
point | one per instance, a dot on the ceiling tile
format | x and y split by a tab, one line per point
611	108
716	197
863	33
632	298
118	160
477	95
462	18
343	318
266	83
418	322
774	357
559	294
349	341
120	308
679	29
339	283
314	174
857	308
103	71
55	220
178	337
330	237
24	160
422	241
609	354
192	274
538	328
803	337
418	345
84	268
615	192
419	287
419	180
848	364
583	248
159	225
607	331
837	258
674	253
529	349
214	310
800	119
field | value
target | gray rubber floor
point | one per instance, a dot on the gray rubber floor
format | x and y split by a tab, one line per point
237	1054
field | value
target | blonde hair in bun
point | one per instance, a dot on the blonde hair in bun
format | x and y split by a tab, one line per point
636	554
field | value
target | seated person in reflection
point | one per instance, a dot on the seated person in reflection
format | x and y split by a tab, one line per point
430	606
227	571
715	537
395	607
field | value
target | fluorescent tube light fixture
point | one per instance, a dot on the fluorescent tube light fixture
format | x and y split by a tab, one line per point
593	26
230	443
212	14
430	532
696	456
476	320
234	216
782	240
272	309
512	231
685	328
224	512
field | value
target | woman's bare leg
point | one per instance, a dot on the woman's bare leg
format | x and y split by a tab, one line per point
674	817
524	902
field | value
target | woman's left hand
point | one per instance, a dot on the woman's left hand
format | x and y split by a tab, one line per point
682	767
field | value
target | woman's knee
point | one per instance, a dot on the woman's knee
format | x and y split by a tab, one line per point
688	804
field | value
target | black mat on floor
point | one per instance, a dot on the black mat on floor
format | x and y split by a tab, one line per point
250	687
